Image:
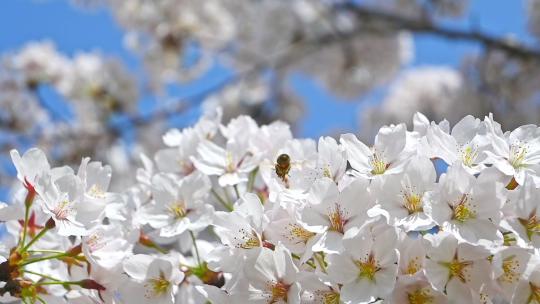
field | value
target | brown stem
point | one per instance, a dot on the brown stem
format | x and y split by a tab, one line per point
384	21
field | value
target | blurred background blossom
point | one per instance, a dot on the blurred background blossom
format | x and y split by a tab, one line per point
106	78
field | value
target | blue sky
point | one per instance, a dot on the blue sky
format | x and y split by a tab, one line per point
73	29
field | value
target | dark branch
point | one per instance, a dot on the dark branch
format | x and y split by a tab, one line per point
372	21
384	21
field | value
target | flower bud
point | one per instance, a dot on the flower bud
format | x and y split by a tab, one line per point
50	224
75	251
91	284
146	241
268	245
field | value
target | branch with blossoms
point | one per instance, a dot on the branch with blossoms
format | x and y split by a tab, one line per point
16	271
369	21
381	21
242	213
350	48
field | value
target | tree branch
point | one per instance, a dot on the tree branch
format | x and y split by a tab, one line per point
372	21
384	21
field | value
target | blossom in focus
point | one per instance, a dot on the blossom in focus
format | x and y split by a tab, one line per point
302	222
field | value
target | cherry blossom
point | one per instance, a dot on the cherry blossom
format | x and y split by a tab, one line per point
385	157
368	268
293	221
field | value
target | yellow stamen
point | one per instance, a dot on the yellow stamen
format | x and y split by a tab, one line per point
279	292
96	191
178	209
378	165
462	210
157	286
414	266
327	173
412	202
458	269
298	233
531	225
469	155
247	240
229	163
509	239
331	298
420	296
337	219
517	155
510	268
367	268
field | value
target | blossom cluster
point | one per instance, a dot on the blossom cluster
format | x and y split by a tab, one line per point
242	213
179	40
63	104
95	84
88	103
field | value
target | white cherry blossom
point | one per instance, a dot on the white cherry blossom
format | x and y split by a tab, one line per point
516	153
524	217
152	280
300	221
231	164
466	143
331	212
403	196
273	277
454	264
385	157
31	165
368	268
61	199
179	205
468	206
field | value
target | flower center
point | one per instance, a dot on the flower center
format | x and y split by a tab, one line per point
186	167
412	202
230	166
517	155
247	240
458	269
420	296
94	242
509	238
378	165
96	192
413	266
178	210
510	268
157	286
462	210
298	234
62	210
327	173
469	155
367	268
279	292
531	225
337	219
331	297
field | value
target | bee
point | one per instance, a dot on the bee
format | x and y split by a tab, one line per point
283	166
